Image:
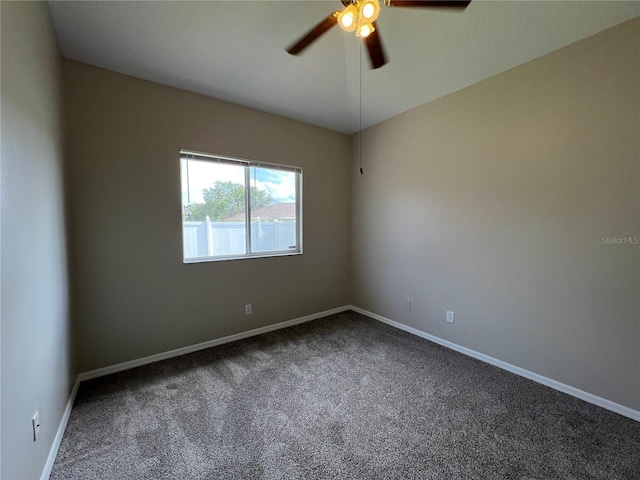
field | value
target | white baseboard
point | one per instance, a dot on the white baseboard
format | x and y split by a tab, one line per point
162	356
575	392
46	473
201	346
588	397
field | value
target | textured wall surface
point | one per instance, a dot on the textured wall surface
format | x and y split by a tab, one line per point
36	337
497	201
135	296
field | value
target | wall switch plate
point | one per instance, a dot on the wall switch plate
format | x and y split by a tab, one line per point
35	423
248	309
407	303
451	316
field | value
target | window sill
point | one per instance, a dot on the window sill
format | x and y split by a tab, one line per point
240	257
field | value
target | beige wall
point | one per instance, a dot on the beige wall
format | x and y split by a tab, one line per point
36	338
493	202
135	297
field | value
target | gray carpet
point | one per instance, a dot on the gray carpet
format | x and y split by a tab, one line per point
340	397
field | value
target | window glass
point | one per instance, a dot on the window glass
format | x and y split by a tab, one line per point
222	197
273	210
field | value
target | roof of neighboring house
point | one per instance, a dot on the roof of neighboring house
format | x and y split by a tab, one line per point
279	210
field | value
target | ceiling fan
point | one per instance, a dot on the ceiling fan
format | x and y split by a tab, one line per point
360	16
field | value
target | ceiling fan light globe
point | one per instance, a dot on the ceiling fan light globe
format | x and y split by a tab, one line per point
347	18
369	10
365	30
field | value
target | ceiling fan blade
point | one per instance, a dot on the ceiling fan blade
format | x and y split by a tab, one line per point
374	46
461	4
313	34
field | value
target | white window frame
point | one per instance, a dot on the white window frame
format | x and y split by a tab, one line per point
247	164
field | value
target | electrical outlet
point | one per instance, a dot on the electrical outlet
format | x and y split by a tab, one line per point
248	309
407	303
35	423
451	316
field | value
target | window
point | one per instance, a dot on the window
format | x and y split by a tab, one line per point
234	208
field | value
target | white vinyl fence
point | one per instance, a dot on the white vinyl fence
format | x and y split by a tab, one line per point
205	239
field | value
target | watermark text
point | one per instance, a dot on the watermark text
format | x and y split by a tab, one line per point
620	240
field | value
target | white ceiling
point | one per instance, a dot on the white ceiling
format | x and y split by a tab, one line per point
235	50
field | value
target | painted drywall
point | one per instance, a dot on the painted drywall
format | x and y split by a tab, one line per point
135	297
497	202
36	338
